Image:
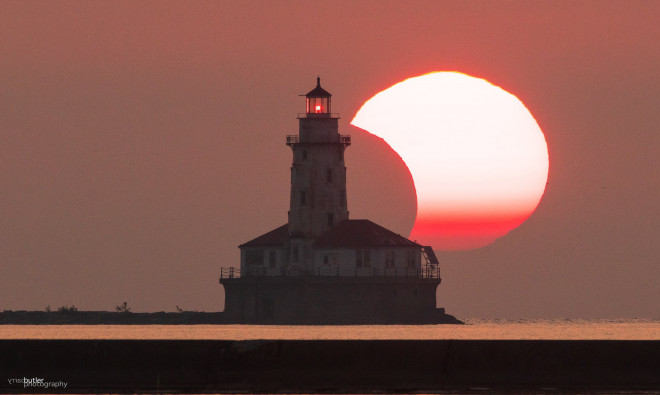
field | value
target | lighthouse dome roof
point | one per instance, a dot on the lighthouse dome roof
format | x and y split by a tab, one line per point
318	91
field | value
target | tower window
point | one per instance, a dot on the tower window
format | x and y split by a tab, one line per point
328	175
272	259
254	257
304	154
294	254
363	258
331	219
389	259
411	259
303	198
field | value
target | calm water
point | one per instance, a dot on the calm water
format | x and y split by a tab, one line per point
635	329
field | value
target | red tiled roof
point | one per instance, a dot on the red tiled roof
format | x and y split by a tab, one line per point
275	238
360	233
351	233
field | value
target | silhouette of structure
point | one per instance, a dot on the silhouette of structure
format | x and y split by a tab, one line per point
322	267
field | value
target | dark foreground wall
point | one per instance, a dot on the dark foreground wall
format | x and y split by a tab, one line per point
329	366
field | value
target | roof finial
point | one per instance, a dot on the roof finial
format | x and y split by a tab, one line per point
318	81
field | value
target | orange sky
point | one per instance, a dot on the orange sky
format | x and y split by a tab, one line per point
142	142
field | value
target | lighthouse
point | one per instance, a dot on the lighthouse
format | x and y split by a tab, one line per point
322	267
318	176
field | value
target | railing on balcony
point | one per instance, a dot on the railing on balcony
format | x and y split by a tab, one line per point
345	140
304	115
293	139
230	272
427	271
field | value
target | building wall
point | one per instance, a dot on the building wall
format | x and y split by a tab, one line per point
331	300
271	261
266	261
388	261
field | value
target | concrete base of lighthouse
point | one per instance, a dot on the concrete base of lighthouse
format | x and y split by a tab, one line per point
333	300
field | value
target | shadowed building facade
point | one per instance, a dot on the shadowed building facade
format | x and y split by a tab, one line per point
322	267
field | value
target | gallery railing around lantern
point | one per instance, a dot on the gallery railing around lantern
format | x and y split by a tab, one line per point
293	139
305	115
427	271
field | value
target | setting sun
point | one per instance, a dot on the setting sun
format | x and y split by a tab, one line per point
478	158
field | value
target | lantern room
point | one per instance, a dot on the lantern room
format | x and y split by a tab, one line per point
318	101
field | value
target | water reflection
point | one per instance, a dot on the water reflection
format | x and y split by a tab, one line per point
475	329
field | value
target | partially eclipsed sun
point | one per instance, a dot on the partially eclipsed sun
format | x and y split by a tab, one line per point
478	158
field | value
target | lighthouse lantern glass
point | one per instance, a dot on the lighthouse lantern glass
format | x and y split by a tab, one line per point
318	105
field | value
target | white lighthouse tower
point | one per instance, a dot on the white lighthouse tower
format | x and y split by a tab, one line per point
318	176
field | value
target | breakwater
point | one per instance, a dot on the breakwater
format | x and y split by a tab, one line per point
436	316
110	318
331	366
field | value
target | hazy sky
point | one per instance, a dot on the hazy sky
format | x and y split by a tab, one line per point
142	142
